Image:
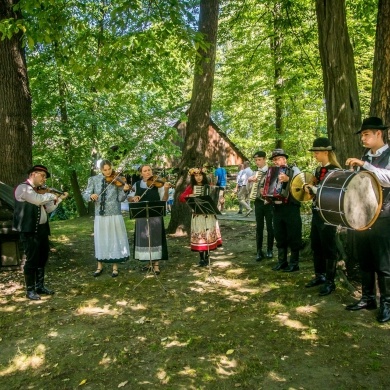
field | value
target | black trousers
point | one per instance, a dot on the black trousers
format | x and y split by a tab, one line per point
36	247
373	248
323	242
264	211
288	226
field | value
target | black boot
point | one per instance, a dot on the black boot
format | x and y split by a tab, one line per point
329	285
316	281
269	254
39	283
282	259
202	261
384	289
260	255
294	262
30	286
368	300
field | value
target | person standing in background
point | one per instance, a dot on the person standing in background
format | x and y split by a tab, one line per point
221	182
239	185
243	195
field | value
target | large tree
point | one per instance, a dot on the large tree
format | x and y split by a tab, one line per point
15	101
196	139
339	76
380	98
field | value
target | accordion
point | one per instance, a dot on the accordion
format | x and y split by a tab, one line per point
257	186
273	188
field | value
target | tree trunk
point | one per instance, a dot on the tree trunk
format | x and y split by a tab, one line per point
380	98
276	47
340	86
15	104
196	139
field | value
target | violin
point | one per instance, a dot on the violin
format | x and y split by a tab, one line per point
155	181
48	190
114	178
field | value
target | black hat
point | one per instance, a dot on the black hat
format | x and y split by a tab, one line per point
41	168
260	153
372	123
321	144
277	153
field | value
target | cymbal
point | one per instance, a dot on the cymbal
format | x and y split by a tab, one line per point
296	187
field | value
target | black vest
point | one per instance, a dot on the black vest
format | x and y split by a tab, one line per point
381	162
27	216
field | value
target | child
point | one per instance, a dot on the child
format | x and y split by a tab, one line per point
205	234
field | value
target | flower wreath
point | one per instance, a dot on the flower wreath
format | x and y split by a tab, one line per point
194	171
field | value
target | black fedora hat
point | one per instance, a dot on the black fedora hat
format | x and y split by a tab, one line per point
278	153
372	123
40	168
260	153
321	144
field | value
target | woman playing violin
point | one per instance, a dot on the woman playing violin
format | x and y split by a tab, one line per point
150	188
111	242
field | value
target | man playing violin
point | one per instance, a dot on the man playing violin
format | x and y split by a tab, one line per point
31	220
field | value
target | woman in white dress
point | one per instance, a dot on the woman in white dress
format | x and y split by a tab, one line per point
111	241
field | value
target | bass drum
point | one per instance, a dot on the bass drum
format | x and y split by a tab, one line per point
350	199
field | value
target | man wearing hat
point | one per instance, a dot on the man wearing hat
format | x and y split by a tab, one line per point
322	236
31	220
287	219
263	208
373	245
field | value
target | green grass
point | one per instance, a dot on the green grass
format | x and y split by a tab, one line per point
244	326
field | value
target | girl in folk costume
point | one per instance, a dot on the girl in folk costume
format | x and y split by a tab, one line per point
323	237
150	243
205	233
111	242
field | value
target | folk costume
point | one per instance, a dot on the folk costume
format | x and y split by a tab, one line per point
158	243
322	236
373	245
287	226
31	220
263	211
110	235
205	233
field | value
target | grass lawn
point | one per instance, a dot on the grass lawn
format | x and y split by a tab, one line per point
238	325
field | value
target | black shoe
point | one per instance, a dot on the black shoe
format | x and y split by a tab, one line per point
364	303
269	254
260	256
291	268
319	279
203	263
278	266
31	294
327	288
384	313
98	272
240	212
43	291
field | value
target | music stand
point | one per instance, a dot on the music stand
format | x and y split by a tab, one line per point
203	205
147	210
